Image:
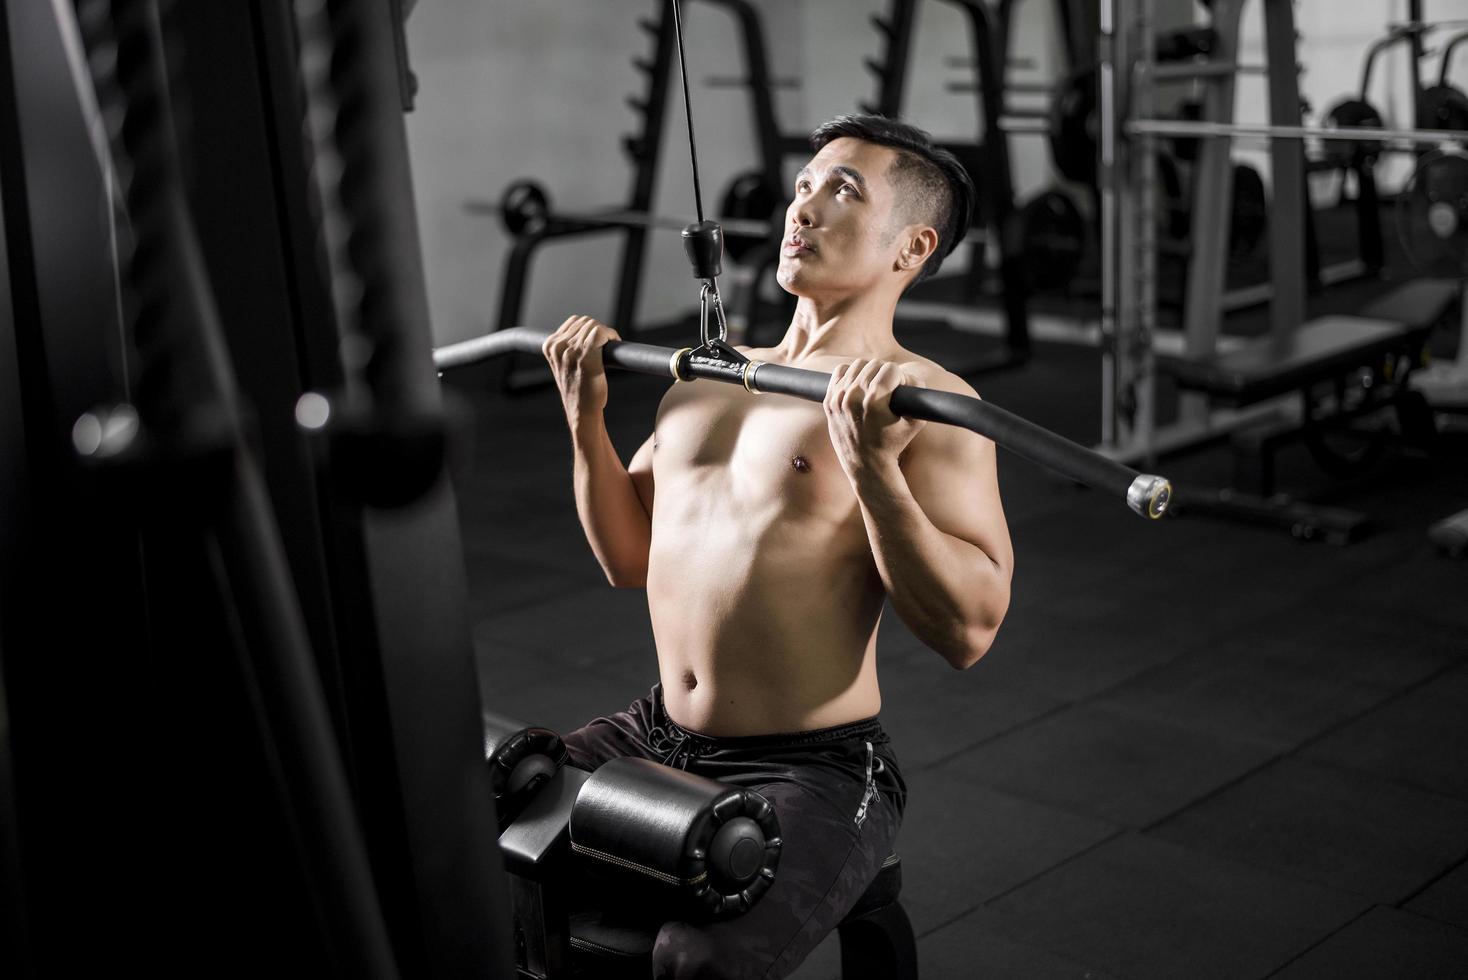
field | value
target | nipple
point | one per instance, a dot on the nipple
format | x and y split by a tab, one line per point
800	465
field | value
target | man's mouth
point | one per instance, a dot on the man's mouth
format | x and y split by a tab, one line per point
796	245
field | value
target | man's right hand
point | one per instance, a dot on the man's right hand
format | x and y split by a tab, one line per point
574	355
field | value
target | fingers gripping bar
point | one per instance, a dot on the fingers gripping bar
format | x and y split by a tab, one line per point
1145	494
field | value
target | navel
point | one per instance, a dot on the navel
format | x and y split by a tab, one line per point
800	465
689	681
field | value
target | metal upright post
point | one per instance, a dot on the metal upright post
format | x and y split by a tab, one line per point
1212	195
1286	223
891	71
645	150
1120	299
1107	184
996	185
1212	203
1414	65
760	86
1141	200
1127	175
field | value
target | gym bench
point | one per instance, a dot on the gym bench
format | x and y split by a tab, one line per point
1344	368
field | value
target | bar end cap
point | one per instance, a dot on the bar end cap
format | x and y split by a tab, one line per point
1149	495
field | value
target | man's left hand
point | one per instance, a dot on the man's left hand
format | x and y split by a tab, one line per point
865	433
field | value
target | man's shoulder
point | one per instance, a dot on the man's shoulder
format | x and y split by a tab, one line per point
926	372
931	374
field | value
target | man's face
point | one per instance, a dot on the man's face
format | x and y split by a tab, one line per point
840	233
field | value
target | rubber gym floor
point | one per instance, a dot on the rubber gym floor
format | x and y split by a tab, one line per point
1196	749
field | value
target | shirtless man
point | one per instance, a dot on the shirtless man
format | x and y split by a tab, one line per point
767	532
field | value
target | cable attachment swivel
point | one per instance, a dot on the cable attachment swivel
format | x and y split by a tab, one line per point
704	243
714	357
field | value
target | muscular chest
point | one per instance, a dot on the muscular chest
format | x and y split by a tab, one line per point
756	448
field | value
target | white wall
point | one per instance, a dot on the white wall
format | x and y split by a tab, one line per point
537	88
838	35
512	88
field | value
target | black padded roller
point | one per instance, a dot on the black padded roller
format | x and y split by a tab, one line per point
702	843
521	758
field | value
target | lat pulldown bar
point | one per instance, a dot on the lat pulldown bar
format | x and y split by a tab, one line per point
1144	493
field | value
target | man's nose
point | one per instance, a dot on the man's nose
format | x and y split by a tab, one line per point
800	214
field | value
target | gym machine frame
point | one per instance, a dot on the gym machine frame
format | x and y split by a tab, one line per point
1129	249
281	739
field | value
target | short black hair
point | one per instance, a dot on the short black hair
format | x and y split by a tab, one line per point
933	185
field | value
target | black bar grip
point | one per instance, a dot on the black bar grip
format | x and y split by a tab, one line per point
1020	436
1145	494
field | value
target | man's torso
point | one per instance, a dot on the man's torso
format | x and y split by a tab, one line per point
761	584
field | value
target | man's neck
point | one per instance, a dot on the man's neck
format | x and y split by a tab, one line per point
852	326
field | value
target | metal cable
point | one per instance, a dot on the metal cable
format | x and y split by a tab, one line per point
688	110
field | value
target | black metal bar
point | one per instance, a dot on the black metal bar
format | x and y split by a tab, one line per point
371	236
761	86
1145	494
1368	216
186	383
25	405
996	183
897	29
1414	65
413	685
644	181
1004	22
1312	236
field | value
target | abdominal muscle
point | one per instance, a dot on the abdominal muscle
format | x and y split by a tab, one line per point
765	617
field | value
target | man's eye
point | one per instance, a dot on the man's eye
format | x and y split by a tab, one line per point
847	187
804	185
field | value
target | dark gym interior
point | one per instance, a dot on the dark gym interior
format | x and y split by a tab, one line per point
296	604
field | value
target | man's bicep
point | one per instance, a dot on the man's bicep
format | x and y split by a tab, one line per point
640	469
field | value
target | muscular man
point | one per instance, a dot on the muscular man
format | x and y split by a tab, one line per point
767	532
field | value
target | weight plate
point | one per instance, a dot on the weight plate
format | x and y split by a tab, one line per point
524	207
1053	237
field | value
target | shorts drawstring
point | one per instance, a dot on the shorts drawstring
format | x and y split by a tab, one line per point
673	743
870	789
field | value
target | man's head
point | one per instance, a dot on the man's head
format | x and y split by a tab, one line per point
878	203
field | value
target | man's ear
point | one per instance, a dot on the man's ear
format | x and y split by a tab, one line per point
921	242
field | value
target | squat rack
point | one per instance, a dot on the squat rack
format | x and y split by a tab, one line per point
1128	73
987	159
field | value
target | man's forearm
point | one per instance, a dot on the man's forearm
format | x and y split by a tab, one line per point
949	592
616	524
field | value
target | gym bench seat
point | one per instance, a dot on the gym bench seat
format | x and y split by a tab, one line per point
1338	352
1420	302
876	938
1322	350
